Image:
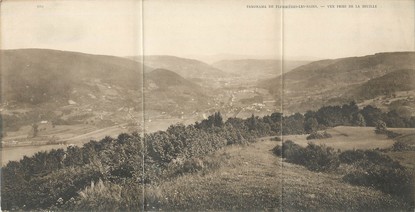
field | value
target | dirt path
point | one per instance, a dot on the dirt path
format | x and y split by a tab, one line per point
252	178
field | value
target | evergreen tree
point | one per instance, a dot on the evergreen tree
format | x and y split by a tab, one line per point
311	125
359	120
218	120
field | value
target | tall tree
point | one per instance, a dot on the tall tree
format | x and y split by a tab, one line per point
359	120
311	125
372	115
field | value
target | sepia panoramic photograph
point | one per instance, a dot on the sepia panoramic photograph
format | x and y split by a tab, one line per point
207	105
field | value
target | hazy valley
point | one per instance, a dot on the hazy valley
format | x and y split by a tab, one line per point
74	97
241	126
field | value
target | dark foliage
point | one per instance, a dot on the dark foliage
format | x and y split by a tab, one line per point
349	114
351	156
290	151
371	167
402	146
381	129
394	180
276	138
314	157
320	158
318	135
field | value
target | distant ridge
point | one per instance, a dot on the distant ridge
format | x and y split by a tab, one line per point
38	75
187	68
257	67
43	76
337	81
388	84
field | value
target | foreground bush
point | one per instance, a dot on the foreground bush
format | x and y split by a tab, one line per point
377	170
320	158
100	196
351	156
106	196
290	151
395	181
371	168
45	191
365	158
314	157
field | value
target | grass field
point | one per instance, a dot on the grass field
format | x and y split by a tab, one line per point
345	137
406	158
252	178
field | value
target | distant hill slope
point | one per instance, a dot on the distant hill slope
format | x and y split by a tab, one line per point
39	75
167	79
168	91
400	80
87	88
329	81
256	67
187	68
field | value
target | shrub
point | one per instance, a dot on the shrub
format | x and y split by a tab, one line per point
392	134
291	151
380	127
377	170
193	165
314	157
320	158
402	146
99	196
276	138
364	158
391	180
201	165
42	192
317	135
277	150
351	156
378	158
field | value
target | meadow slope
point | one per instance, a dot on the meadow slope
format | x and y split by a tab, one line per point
251	177
350	137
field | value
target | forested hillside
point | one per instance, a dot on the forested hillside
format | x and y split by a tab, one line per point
341	80
37	75
387	85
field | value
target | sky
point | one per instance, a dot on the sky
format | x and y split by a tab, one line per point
203	28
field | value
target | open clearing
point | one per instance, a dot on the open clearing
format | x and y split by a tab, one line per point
406	158
251	177
345	137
